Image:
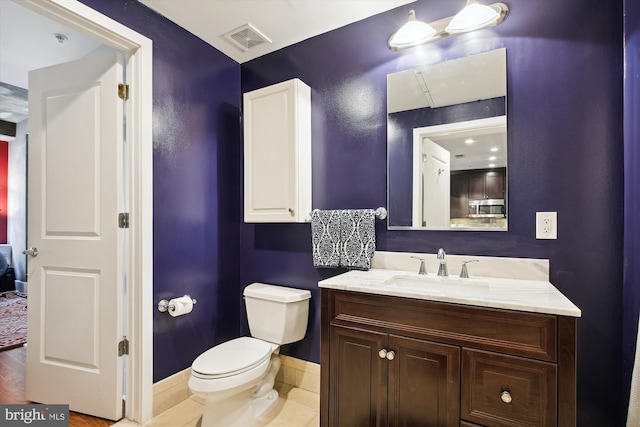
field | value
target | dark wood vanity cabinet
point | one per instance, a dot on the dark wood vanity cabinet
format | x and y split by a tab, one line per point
390	361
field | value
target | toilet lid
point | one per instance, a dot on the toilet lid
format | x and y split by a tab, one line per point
232	357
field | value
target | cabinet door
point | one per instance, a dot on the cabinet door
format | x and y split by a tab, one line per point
424	383
459	196
494	185
476	186
487	184
358	378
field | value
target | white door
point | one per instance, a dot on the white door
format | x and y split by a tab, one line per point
75	281
436	185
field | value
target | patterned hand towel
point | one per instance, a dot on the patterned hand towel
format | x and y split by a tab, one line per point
358	236
325	237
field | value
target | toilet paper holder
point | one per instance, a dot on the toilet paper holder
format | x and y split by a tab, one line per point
164	305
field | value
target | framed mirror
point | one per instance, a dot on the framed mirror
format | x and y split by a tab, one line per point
447	145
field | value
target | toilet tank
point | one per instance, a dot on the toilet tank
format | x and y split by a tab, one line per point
277	314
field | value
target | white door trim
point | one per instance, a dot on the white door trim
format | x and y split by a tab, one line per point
139	135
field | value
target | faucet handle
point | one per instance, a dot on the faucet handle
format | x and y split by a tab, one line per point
464	273
422	270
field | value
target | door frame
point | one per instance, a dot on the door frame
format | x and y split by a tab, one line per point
139	366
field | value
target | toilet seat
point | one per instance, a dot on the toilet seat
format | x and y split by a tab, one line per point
231	358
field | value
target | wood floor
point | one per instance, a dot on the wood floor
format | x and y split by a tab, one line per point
13	382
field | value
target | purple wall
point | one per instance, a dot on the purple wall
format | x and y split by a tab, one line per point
631	185
565	155
196	160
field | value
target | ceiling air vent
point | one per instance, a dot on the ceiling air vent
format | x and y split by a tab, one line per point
246	37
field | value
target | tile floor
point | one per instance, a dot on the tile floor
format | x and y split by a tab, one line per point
296	407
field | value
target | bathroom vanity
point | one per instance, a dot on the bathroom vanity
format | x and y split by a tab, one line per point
402	349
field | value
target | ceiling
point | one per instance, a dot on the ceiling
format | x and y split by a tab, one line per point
28	42
285	22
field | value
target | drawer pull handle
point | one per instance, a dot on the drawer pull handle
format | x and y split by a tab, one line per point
382	353
391	355
506	397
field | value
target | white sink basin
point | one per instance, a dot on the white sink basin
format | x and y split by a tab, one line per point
432	284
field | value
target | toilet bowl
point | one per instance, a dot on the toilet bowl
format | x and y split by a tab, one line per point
236	378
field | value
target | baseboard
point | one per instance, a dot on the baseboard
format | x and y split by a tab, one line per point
170	391
299	373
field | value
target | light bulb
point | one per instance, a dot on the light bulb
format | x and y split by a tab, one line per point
412	33
472	17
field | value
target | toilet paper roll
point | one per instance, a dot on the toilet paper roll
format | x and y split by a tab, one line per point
182	305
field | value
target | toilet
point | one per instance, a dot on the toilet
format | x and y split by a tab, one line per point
236	378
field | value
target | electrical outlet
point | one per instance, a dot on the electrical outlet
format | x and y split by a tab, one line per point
546	225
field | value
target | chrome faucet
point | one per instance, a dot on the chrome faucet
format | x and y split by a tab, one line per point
442	269
464	273
422	269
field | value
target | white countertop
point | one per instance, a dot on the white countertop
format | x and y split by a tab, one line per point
511	294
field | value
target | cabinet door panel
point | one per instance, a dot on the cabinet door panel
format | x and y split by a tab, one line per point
494	185
358	378
270	153
476	186
424	380
459	196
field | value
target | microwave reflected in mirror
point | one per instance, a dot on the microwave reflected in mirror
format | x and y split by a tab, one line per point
488	208
447	145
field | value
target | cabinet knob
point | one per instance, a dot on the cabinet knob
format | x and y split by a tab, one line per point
506	397
382	353
391	355
291	211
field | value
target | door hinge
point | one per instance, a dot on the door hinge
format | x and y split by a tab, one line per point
123	347
123	91
123	220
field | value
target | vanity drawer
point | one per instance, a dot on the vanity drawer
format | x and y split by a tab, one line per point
505	391
522	334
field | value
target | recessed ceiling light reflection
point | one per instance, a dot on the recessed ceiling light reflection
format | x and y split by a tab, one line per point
492	165
492	158
469	141
494	149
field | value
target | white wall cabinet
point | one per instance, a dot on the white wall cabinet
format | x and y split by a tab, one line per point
277	153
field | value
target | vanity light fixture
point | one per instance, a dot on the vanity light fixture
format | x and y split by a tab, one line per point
473	17
412	33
